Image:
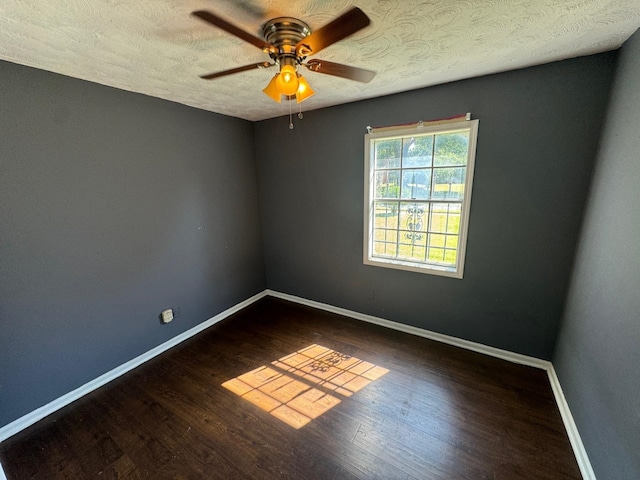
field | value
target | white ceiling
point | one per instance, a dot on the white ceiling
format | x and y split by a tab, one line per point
155	47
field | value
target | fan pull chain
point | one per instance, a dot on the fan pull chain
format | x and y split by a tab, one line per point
290	117
300	116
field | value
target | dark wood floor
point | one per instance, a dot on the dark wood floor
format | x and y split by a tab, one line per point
362	402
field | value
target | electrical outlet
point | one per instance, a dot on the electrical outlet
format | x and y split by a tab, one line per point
167	315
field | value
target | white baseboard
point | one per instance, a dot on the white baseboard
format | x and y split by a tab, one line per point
569	424
38	414
572	431
420	332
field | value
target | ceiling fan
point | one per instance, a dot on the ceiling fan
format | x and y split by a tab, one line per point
288	42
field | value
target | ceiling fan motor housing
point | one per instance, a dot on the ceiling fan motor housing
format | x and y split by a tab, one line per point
284	33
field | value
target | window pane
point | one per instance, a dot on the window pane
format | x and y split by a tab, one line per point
417	152
449	183
391	236
413	217
388	184
384	249
451	149
412	252
385	235
436	240
436	254
412	246
386	215
453	221
385	228
412	236
452	241
388	153
439	215
450	256
442	255
416	183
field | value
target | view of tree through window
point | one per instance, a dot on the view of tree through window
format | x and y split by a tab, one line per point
418	191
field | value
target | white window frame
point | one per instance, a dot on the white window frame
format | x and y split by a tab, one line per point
369	190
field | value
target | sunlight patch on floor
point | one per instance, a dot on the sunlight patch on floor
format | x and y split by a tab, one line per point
301	386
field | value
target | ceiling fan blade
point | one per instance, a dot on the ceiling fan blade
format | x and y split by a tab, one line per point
346	24
211	76
340	70
233	30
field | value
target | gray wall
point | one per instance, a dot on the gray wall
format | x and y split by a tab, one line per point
113	206
537	139
598	353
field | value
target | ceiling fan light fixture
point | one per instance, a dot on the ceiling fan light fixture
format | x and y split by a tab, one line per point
287	82
304	89
272	90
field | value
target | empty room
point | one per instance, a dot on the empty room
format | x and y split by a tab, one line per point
320	239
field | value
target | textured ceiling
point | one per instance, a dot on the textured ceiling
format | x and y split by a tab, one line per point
155	47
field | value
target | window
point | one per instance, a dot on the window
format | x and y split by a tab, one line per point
417	197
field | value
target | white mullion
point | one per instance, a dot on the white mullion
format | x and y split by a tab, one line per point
427	229
446	232
397	201
398	226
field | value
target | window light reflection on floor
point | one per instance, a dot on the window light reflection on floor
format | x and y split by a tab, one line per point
305	384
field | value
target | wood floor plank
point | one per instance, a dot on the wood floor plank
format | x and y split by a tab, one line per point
284	391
